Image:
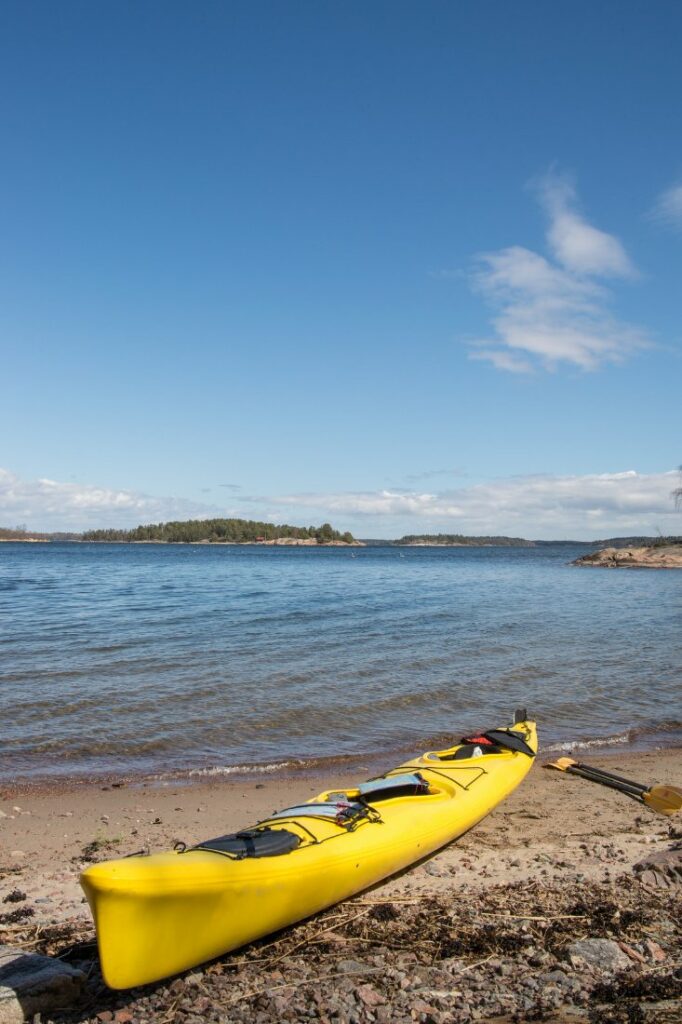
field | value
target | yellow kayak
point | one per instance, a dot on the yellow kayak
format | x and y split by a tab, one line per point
161	914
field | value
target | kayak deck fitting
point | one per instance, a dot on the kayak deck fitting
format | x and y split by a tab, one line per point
160	914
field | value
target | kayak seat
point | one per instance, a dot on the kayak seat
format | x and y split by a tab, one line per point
386	787
469	750
255	842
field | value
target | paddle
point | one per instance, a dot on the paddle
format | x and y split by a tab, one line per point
663	799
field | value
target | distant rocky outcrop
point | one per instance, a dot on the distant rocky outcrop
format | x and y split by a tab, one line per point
660	556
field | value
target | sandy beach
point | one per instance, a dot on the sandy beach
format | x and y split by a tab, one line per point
556	841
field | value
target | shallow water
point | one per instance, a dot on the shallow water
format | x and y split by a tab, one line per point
155	658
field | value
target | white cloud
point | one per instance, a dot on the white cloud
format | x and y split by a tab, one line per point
668	208
533	506
552	312
51	505
577	245
545	506
504	361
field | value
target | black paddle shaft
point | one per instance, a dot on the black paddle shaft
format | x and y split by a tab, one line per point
615	778
602	780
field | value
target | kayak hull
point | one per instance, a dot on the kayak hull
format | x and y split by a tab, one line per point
158	915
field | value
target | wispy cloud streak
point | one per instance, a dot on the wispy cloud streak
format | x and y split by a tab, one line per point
552	311
668	207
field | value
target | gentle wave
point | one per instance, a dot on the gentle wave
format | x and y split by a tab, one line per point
245	769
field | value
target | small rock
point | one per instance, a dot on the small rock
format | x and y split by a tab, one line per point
350	966
559	978
369	996
654	950
661	870
423	1011
433	869
603	954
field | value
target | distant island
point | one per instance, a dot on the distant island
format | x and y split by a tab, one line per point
222	531
248	531
20	533
196	531
456	540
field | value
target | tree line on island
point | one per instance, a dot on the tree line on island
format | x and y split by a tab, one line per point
220	531
459	539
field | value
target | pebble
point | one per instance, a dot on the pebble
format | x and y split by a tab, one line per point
369	996
654	950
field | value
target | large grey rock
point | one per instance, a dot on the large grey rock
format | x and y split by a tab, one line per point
31	983
604	954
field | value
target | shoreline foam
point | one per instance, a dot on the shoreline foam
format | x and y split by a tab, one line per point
637	739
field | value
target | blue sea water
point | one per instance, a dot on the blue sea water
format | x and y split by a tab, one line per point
147	659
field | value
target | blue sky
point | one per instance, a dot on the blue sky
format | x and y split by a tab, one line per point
405	267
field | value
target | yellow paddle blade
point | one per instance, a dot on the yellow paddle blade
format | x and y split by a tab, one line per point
664	799
562	764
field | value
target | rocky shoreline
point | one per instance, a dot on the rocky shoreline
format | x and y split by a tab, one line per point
664	556
606	952
562	906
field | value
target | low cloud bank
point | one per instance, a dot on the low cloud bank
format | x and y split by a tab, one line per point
51	505
541	507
